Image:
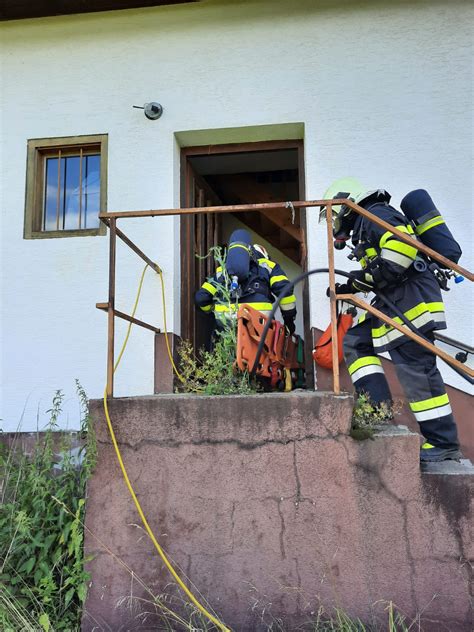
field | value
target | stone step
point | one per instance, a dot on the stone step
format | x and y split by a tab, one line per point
464	467
187	418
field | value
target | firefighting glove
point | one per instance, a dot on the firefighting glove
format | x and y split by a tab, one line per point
356	283
359	282
290	325
341	288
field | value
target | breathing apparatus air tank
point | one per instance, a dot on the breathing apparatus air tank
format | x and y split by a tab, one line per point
429	225
238	255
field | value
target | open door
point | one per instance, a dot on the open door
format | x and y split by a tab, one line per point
241	174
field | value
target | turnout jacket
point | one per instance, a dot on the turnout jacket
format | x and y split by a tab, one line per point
388	263
265	281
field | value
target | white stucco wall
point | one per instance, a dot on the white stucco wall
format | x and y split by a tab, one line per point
385	94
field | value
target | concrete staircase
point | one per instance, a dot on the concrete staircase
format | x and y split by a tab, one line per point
271	509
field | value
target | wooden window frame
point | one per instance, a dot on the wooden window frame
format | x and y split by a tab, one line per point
38	149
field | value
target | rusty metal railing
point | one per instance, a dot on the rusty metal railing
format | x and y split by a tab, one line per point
109	307
110	219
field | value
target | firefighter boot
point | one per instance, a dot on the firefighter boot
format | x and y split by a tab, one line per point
431	453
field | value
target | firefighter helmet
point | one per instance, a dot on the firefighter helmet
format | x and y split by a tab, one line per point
261	251
353	190
345	188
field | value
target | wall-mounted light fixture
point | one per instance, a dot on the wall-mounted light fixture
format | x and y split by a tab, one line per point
153	110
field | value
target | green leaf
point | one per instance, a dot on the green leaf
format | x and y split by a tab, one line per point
69	596
49	540
27	567
82	592
44	622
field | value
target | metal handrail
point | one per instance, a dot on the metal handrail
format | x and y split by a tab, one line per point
109	307
110	219
462	346
237	208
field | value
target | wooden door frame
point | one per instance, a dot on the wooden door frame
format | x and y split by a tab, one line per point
187	229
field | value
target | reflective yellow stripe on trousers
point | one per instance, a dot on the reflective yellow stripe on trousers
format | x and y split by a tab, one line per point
365	366
431	408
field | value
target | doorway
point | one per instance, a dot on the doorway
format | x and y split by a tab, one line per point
241	174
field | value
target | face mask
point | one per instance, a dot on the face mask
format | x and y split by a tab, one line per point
343	223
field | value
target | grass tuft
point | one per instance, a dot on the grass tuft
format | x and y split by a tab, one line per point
43	581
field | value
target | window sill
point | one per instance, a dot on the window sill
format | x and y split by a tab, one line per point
53	234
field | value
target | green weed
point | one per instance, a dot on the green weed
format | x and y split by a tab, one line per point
367	417
214	372
161	613
43	582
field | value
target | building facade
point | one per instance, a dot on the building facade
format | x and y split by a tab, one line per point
380	92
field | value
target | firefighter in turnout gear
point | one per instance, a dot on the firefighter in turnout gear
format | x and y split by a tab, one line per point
252	277
396	269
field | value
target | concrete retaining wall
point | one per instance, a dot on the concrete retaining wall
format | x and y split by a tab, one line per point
271	509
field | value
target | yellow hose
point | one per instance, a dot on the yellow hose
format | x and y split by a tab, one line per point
161	553
160	274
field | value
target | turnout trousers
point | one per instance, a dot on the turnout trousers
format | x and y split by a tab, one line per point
418	374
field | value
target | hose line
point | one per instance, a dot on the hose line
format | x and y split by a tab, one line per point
170	355
288	289
285	292
148	529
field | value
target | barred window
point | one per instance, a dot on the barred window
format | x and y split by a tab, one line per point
66	186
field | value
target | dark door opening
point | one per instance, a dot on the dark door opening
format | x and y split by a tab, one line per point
241	174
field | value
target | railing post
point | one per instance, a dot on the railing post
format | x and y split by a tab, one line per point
111	308
332	300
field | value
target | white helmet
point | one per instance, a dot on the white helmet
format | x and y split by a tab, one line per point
260	250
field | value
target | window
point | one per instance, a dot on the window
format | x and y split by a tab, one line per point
66	186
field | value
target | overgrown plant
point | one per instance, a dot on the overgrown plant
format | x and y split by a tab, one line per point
367	417
214	372
43	581
161	613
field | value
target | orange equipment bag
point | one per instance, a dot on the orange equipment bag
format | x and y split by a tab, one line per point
322	353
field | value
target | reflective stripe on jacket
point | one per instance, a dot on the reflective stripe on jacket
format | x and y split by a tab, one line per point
266	280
